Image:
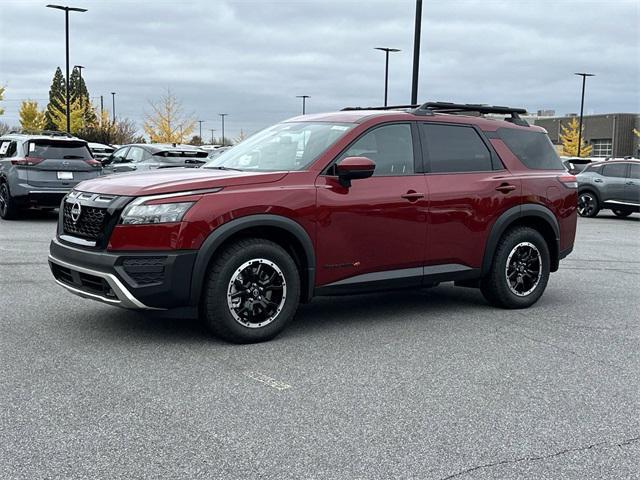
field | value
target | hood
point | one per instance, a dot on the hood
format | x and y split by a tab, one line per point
172	180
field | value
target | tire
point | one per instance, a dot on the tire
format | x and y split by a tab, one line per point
520	289
588	204
238	302
8	208
622	213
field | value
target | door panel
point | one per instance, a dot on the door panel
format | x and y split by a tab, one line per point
632	185
462	210
369	227
614	179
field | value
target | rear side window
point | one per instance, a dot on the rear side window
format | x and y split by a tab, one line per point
451	148
533	149
635	171
7	148
618	170
65	150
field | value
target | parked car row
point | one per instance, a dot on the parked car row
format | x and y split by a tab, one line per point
39	170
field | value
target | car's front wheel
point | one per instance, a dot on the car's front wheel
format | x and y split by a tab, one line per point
622	213
8	208
588	205
252	291
520	269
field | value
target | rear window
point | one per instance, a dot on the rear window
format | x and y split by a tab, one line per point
67	150
534	149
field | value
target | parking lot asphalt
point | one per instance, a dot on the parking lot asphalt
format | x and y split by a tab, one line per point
431	384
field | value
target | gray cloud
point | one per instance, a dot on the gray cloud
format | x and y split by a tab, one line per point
250	58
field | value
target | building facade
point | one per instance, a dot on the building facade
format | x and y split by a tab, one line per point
610	135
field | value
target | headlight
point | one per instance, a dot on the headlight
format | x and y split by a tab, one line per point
137	214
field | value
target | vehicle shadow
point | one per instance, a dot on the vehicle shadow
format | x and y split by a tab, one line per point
317	317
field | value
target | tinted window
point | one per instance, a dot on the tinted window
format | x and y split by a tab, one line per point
454	149
67	150
532	148
390	146
7	148
615	170
635	171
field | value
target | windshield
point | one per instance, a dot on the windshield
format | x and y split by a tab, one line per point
285	146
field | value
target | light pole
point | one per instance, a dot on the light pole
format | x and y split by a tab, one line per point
222	115
66	31
584	81
212	130
80	67
386	51
113	106
416	53
200	122
304	102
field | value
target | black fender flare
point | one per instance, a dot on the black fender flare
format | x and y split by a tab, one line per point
218	236
507	218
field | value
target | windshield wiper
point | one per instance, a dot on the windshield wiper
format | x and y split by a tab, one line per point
69	157
225	168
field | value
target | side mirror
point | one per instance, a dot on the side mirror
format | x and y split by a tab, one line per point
354	168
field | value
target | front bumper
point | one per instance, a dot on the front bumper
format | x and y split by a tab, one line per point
135	280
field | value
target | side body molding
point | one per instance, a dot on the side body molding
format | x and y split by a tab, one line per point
513	215
225	231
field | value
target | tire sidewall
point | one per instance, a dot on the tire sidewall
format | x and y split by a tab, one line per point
216	309
515	237
594	198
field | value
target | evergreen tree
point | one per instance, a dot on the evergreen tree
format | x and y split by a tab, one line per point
31	118
57	105
569	139
78	93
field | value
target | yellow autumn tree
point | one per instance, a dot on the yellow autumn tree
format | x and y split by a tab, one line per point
31	118
2	98
167	122
569	139
636	132
78	116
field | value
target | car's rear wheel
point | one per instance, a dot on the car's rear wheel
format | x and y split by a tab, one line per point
622	213
252	291
8	209
588	205
520	269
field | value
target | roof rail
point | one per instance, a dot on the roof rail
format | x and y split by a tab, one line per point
447	107
51	133
389	107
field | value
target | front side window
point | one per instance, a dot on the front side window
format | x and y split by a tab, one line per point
389	146
618	170
282	147
120	155
451	148
135	154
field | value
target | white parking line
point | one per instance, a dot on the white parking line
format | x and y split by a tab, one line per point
271	382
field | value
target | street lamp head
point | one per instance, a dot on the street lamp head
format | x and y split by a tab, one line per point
386	49
585	74
303	96
113	93
67	9
79	66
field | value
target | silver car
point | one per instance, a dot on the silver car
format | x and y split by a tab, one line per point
38	170
150	156
613	185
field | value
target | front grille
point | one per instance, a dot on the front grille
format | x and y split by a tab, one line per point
83	281
89	225
145	270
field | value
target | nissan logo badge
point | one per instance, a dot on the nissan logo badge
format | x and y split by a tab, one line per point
76	210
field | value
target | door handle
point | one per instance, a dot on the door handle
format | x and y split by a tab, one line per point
597	180
506	188
412	196
630	183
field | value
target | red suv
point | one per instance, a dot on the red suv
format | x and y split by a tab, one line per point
354	201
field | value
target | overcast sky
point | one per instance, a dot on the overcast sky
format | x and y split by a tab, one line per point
251	58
